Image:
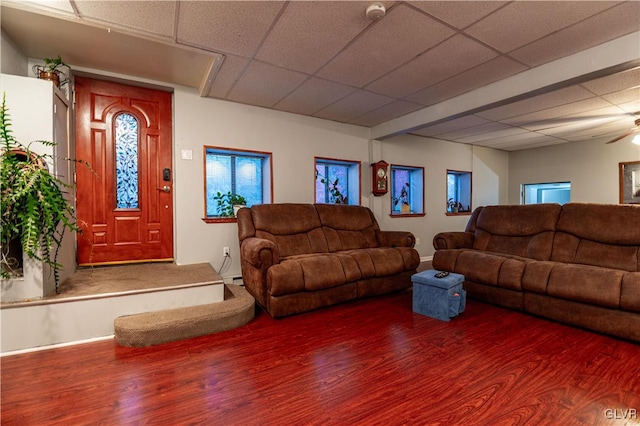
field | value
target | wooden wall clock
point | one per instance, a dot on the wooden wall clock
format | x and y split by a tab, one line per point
380	178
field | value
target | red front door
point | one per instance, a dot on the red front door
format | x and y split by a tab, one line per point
124	202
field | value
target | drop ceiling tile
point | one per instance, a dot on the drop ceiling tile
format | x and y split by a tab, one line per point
460	14
479	132
235	27
533	20
352	106
446	127
500	134
55	6
608	25
385	113
314	95
631	107
528	144
264	85
614	82
537	103
386	44
522	138
449	58
310	33
623	96
554	113
155	17
487	73
229	72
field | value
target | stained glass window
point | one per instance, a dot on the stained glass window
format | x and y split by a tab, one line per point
126	162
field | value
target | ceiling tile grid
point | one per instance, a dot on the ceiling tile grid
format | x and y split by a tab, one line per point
327	59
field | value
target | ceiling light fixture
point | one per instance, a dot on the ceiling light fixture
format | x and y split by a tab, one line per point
636	139
375	11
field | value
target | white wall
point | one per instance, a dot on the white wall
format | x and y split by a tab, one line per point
489	169
591	167
293	140
13	60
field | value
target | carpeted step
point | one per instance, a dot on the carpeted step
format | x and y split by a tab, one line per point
154	328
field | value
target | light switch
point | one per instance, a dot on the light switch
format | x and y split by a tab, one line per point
187	154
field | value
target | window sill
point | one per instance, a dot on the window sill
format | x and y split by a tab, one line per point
219	219
458	214
408	214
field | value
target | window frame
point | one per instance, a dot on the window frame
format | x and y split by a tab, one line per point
421	192
459	173
547	187
267	178
357	171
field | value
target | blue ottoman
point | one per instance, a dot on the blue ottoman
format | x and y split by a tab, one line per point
440	298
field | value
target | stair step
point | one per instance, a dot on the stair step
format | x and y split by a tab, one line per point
154	328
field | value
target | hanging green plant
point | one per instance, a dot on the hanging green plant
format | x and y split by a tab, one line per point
34	208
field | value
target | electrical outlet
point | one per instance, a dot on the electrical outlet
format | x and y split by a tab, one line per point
417	241
225	251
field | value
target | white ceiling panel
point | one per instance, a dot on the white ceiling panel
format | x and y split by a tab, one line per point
481	75
523	22
537	103
354	105
456	125
461	53
309	34
614	82
271	86
459	14
132	15
226	26
377	116
314	95
610	24
394	40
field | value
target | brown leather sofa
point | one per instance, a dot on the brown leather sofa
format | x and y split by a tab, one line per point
577	263
298	257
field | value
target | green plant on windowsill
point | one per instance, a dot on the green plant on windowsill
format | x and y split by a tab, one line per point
403	198
335	196
34	208
454	206
225	203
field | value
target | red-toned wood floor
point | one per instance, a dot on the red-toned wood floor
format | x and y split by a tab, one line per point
368	362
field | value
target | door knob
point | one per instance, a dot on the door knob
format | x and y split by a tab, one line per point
165	188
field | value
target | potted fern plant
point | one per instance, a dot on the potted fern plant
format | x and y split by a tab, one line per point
51	70
35	212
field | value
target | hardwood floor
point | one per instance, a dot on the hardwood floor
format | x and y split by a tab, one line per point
368	362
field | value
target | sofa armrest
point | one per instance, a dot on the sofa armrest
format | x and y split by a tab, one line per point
395	239
252	249
453	240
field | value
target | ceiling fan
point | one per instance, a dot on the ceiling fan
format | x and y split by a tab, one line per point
633	130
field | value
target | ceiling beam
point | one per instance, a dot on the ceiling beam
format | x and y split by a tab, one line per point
212	70
616	55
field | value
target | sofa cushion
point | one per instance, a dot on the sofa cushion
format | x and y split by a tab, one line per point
630	292
492	269
291	237
599	235
347	227
525	231
384	261
311	273
586	284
